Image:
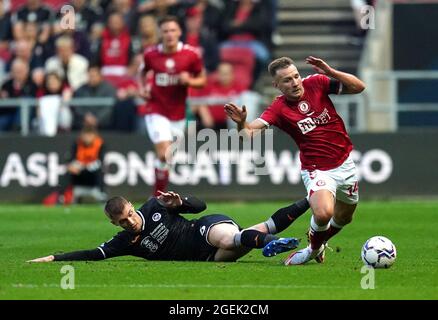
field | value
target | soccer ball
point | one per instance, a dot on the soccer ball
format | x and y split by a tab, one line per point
379	252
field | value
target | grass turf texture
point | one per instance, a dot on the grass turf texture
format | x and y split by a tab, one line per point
28	232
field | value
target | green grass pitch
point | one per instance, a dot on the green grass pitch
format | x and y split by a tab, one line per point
28	232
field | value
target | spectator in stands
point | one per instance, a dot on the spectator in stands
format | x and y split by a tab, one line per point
360	10
22	50
125	109
243	26
86	16
5	38
33	11
39	50
147	35
158	8
5	26
18	86
86	166
211	13
53	110
125	8
97	87
200	37
115	50
208	103
80	39
71	66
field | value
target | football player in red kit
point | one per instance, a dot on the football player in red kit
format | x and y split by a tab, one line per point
169	69
306	113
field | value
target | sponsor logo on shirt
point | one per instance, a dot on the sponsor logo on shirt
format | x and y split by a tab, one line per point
165	79
149	244
160	233
308	124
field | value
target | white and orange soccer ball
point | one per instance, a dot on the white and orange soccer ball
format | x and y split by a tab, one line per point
379	252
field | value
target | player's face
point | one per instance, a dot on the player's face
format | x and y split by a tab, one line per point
289	82
129	219
170	34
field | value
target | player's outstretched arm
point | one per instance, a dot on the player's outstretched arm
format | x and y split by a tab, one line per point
83	255
238	115
43	259
351	84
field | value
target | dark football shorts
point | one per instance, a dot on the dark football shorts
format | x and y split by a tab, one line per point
202	228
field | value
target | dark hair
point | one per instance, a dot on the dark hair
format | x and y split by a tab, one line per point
280	63
166	19
115	206
94	66
46	87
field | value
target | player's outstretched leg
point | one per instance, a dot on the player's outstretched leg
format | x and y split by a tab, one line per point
284	217
304	255
280	245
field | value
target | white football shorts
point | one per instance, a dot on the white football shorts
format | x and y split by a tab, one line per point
162	129
342	181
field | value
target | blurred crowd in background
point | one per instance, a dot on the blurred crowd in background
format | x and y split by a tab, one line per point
101	56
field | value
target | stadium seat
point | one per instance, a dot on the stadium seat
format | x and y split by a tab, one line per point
243	61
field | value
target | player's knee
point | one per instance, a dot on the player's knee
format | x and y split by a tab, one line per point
322	215
161	157
226	243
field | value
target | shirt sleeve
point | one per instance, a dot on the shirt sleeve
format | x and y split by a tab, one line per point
119	245
329	86
269	117
82	255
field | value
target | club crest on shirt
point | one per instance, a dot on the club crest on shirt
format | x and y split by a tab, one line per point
170	64
320	183
303	107
156	216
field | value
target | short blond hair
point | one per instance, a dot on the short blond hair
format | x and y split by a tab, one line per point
280	63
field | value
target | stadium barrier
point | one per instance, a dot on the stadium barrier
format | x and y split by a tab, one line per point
390	166
26	104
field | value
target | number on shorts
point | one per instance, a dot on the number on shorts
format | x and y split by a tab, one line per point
353	189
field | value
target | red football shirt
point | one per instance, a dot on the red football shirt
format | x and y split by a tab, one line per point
168	97
313	123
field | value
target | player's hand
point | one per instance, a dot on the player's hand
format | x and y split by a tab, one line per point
43	259
235	113
184	78
74	168
319	65
170	199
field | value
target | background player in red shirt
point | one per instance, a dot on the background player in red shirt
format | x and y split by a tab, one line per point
306	113
172	67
